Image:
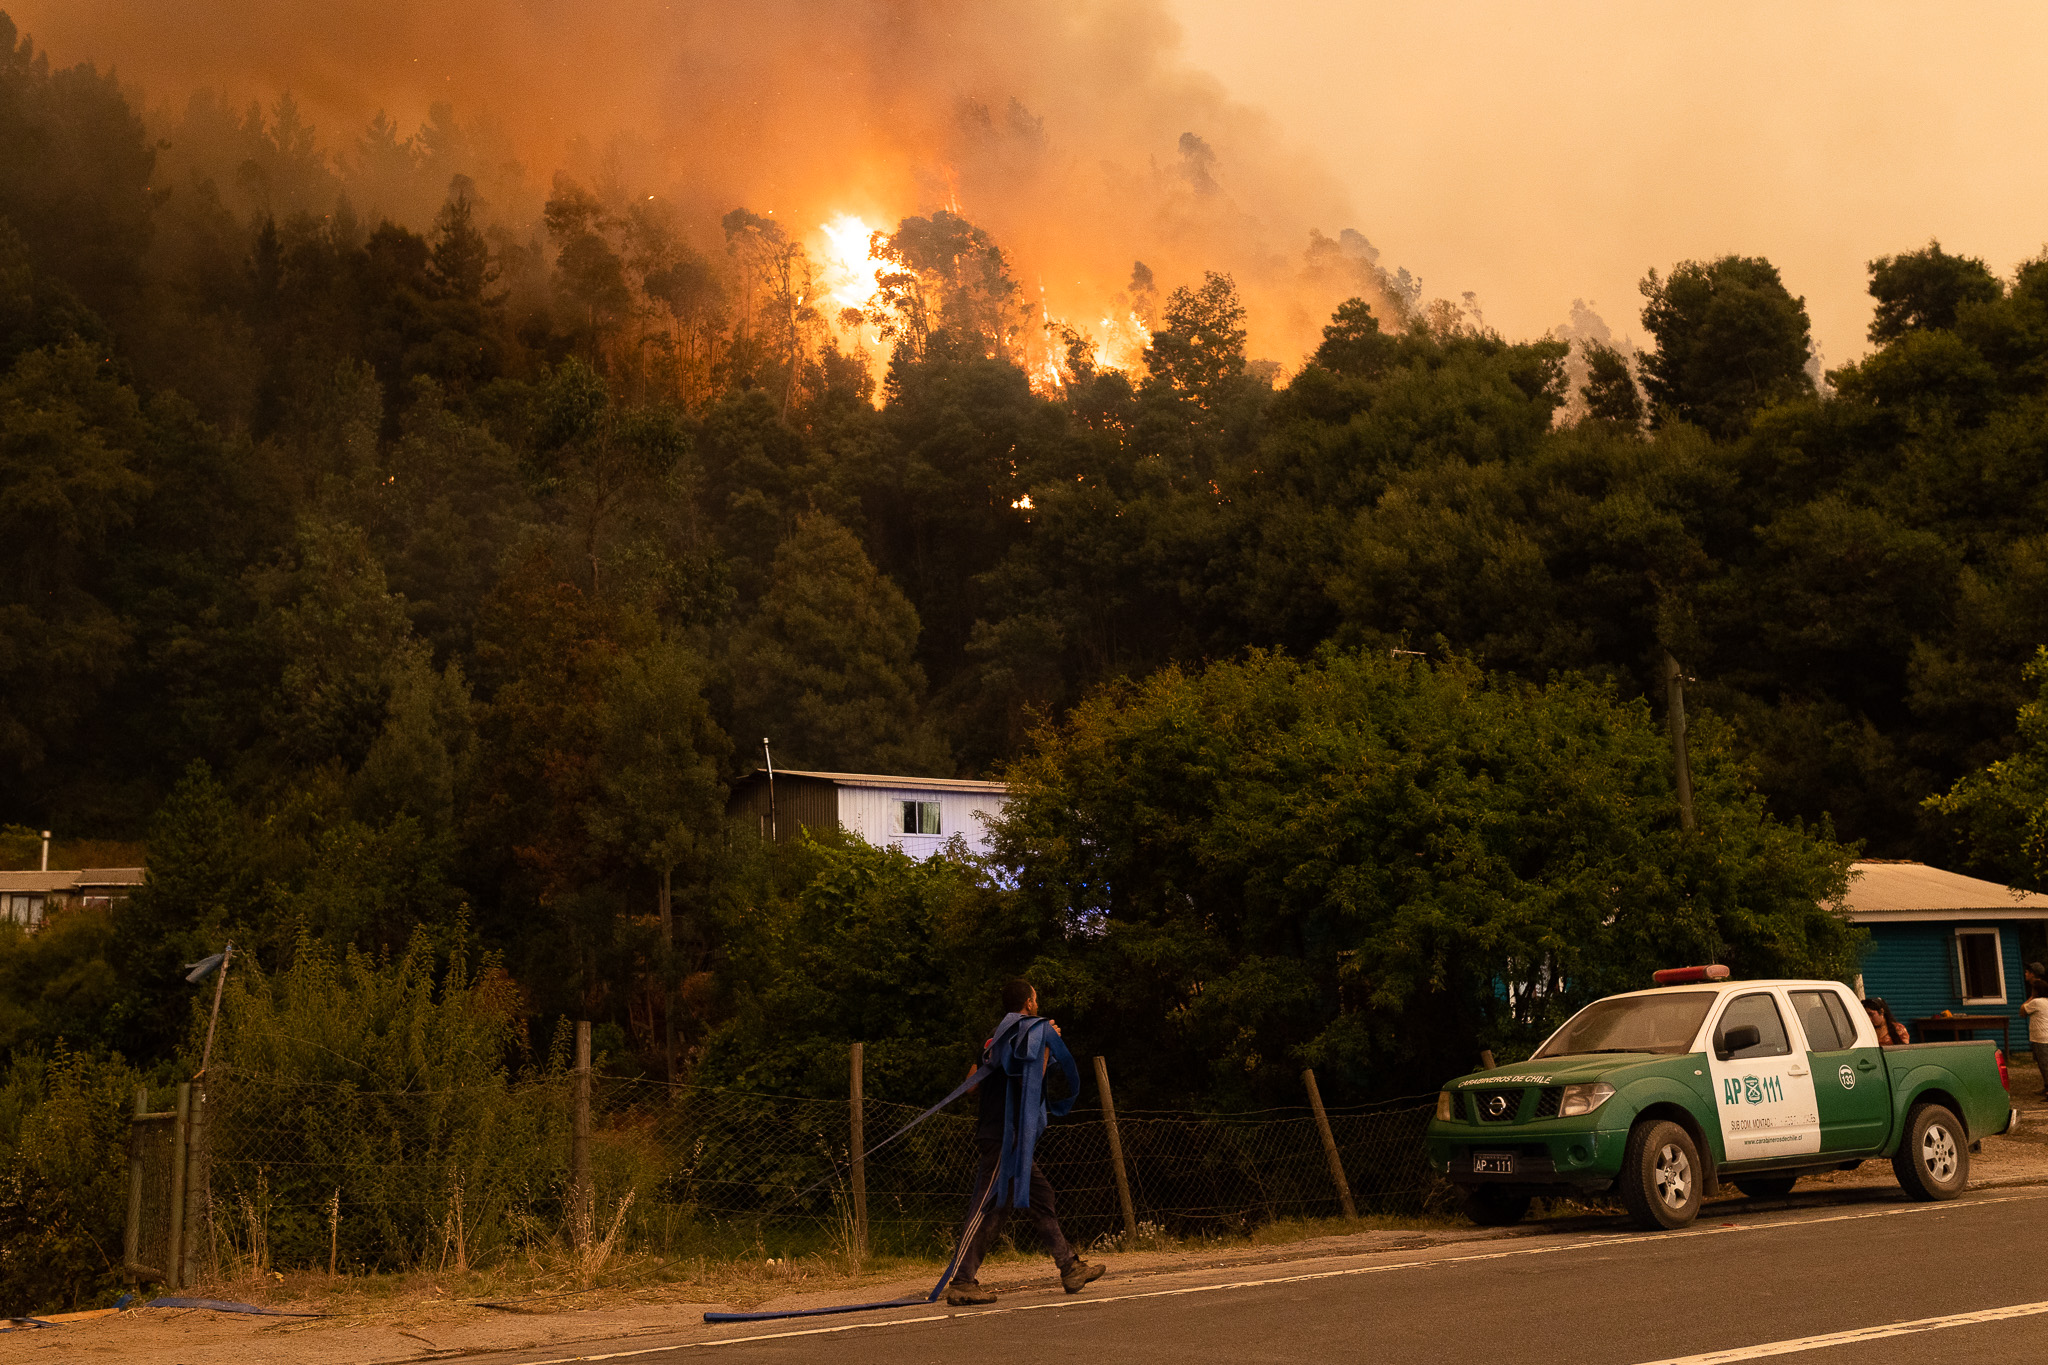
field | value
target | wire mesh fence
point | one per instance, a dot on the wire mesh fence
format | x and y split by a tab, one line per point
303	1175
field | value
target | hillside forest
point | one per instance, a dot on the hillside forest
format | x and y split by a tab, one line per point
410	559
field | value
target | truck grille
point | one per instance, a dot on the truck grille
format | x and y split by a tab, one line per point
1497	1106
1547	1102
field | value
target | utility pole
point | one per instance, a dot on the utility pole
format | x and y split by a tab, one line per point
1674	703
770	759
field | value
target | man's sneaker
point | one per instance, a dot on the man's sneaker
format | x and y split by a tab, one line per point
967	1294
1078	1273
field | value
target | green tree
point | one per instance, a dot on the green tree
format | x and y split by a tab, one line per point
664	801
1610	390
2001	812
827	665
1925	289
1730	340
1199	354
1379	866
70	433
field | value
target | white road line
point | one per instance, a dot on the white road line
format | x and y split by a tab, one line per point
1100	1300
1858	1335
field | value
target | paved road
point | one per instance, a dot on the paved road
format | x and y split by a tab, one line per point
1748	1286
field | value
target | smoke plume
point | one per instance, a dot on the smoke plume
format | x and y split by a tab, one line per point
1071	130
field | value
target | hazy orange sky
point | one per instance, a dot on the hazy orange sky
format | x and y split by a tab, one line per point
1535	151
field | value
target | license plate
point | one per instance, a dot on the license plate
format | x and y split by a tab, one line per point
1493	1163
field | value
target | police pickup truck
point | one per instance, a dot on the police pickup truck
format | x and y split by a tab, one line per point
1657	1097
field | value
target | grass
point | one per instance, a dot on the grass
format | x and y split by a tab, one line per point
554	1277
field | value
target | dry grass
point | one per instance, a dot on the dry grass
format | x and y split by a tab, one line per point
558	1276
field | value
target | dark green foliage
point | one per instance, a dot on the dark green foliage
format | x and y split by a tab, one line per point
1363	864
1610	391
1926	289
64	1192
1730	340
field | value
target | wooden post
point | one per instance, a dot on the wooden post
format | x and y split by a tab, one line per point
1674	685
1315	1102
173	1272
856	1117
584	1212
1116	1148
131	1246
198	1160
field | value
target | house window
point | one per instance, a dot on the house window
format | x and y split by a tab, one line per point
920	817
23	909
1980	967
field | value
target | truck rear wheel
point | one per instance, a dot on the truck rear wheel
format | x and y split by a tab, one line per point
1933	1160
1767	1187
1660	1176
1492	1207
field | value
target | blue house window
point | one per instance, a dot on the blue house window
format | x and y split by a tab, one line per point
1980	967
920	817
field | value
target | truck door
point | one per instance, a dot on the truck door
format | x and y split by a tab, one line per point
1765	1087
1848	1081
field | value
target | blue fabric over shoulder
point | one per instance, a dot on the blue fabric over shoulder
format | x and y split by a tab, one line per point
1018	1052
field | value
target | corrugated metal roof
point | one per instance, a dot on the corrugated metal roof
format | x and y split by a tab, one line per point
1887	892
86	879
955	784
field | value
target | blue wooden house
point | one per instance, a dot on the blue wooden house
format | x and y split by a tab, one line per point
1942	941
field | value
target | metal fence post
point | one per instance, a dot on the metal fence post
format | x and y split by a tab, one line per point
1116	1148
856	1117
584	1212
131	1245
1315	1102
173	1272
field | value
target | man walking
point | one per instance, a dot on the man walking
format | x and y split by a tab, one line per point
1008	1125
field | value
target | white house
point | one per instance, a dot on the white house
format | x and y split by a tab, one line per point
916	814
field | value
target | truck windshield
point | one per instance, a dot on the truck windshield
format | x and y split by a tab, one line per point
1634	1023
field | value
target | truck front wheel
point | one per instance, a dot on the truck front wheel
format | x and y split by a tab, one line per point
1933	1160
1660	1176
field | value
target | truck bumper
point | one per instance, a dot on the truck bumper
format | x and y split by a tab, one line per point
1580	1159
2012	1120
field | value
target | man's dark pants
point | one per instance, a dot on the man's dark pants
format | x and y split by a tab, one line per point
1043	1216
2040	1051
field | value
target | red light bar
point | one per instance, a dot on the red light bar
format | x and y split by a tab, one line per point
1685	976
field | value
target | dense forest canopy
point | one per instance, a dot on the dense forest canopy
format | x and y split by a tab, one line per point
432	568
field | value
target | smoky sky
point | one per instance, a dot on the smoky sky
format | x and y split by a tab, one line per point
1073	130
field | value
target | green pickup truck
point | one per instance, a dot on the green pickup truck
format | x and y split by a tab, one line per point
1657	1097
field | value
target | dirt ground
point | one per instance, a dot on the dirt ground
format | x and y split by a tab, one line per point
434	1317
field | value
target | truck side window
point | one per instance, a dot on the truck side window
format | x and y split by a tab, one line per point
1822	1033
1843	1026
1758	1009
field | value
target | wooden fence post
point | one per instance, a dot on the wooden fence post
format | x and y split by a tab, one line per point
198	1187
173	1272
1315	1102
131	1245
856	1119
1116	1148
585	1212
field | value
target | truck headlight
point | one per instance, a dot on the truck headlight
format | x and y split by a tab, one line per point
1446	1106
1583	1099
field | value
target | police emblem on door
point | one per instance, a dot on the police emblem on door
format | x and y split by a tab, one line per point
1848	1077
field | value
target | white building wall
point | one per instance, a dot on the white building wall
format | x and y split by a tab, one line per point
876	815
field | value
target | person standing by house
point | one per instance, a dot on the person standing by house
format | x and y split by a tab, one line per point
2036	1009
1002	1104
